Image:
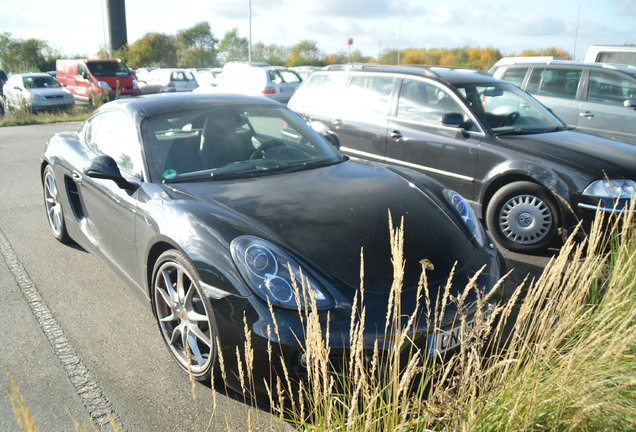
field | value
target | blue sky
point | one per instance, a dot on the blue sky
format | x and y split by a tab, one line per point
510	26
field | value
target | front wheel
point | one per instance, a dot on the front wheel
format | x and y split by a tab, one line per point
184	315
53	206
523	217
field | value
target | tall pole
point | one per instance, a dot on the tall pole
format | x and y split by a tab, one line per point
576	34
399	39
116	10
249	47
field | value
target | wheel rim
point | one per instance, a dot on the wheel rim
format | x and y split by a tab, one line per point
525	219
183	318
53	207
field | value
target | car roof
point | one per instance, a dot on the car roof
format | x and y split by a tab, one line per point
449	74
569	63
157	104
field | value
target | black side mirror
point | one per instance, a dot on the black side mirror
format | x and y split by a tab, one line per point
455	120
322	129
105	167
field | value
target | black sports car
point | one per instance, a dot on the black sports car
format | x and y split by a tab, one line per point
211	206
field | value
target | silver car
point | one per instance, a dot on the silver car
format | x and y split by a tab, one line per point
36	92
595	98
255	79
167	80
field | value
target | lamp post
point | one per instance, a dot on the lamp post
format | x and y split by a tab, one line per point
249	42
399	39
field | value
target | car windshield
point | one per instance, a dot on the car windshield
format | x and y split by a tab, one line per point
108	68
40	82
233	141
508	110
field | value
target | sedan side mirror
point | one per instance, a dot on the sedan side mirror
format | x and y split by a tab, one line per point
322	129
105	167
454	120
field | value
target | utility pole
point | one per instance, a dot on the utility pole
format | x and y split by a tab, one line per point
116	10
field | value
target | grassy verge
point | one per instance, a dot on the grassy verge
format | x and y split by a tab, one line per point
25	117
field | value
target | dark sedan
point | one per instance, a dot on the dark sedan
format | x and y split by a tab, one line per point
211	206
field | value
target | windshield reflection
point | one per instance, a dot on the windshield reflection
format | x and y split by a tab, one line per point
232	142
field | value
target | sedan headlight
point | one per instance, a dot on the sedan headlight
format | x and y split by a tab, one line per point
266	268
466	213
618	189
104	85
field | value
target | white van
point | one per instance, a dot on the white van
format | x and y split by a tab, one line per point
619	54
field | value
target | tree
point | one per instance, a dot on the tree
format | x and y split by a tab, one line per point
153	50
272	54
233	47
18	55
551	52
197	46
305	53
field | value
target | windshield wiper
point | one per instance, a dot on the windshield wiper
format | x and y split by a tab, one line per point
529	131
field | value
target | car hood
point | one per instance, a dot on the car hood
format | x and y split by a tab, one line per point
594	155
328	216
50	92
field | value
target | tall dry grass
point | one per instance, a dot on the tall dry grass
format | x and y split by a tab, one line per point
560	357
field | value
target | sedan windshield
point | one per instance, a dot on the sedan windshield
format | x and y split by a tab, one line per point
508	110
233	141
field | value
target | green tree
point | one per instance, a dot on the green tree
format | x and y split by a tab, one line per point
272	54
305	52
552	52
153	50
18	55
197	46
233	47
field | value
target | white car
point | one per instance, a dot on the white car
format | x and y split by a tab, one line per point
258	79
35	92
167	80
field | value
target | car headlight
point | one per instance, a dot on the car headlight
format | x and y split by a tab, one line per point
104	85
620	188
463	209
266	268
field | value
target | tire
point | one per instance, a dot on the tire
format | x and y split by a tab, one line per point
183	314
54	213
523	217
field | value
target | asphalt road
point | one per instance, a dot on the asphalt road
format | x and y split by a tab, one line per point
77	343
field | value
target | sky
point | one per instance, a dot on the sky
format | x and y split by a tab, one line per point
374	25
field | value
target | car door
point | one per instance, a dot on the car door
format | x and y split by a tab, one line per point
361	117
603	111
110	211
13	92
417	138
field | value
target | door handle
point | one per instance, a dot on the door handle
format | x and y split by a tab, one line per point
586	114
396	134
77	177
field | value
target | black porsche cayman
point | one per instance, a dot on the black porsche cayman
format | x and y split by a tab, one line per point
208	206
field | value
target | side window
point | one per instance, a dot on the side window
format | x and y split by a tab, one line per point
321	93
515	75
608	88
369	94
111	134
560	82
81	70
422	102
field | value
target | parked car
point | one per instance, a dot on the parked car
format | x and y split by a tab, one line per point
528	177
3	79
211	207
254	79
618	54
96	78
168	80
595	98
36	92
206	77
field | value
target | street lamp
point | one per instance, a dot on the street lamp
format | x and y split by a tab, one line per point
399	39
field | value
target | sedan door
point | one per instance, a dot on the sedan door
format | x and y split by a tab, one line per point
417	138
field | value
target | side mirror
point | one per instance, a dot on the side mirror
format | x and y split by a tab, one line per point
322	129
454	120
105	167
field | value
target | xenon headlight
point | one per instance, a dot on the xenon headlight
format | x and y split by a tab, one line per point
266	268
466	213
617	189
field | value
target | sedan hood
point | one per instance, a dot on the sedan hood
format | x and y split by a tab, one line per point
587	153
327	216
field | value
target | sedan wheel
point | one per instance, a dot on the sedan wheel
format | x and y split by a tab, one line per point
522	217
53	207
184	315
